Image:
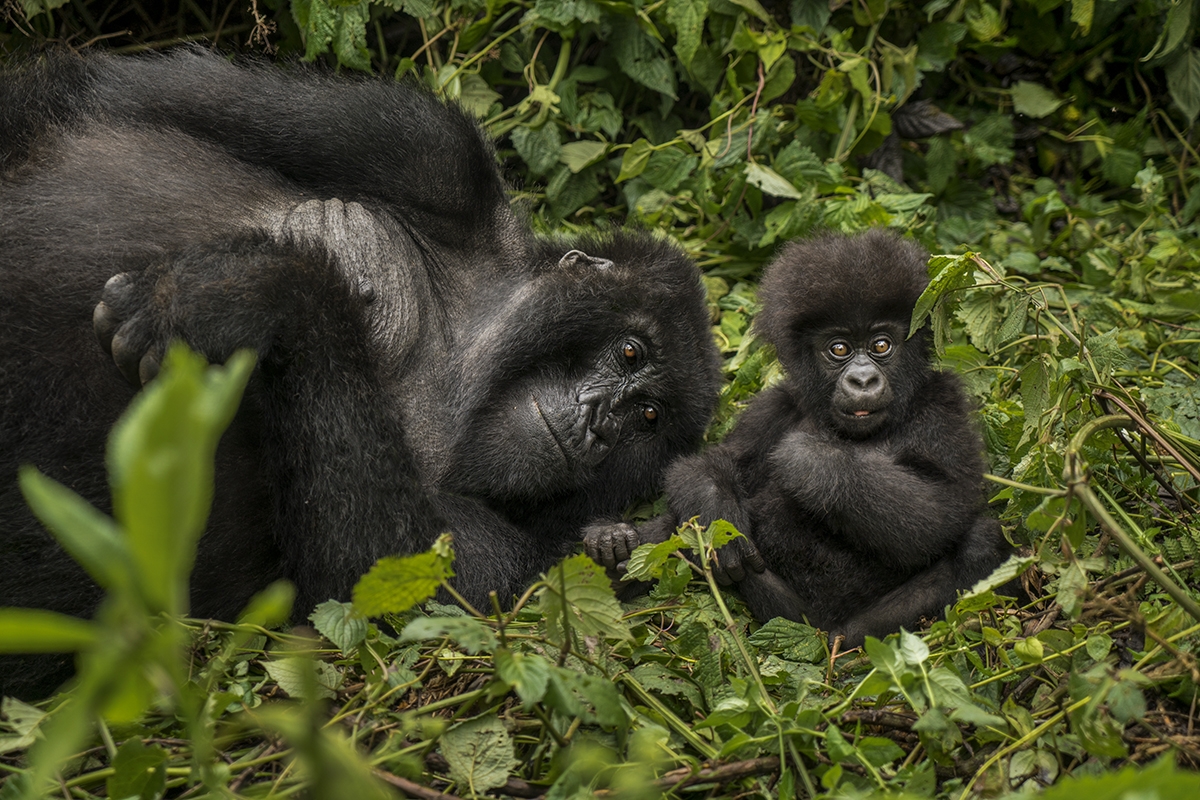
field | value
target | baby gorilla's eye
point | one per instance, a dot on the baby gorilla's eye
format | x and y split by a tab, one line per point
881	346
839	349
630	352
650	413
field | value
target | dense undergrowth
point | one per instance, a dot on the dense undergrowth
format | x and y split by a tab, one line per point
1046	148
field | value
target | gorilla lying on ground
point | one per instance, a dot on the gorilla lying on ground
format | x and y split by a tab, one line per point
425	362
858	481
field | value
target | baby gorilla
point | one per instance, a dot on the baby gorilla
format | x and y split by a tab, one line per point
858	480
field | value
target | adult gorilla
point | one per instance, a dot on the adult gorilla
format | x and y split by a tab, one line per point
425	362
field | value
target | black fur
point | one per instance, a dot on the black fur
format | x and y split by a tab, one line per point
861	522
425	362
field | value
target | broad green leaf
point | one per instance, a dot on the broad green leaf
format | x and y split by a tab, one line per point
794	641
754	7
270	607
646	561
1082	12
573	693
541	148
397	583
23	720
770	181
946	274
160	464
302	677
579	590
90	537
577	155
33	630
687	18
139	771
635	159
1029	650
912	649
527	673
340	623
471	634
480	754
1183	81
640	58
1035	390
1034	100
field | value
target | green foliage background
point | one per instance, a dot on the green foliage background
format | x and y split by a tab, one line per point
1046	149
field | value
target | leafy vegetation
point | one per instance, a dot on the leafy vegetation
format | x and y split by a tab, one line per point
1047	149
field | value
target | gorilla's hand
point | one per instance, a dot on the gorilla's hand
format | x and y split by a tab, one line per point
737	560
125	329
310	273
610	544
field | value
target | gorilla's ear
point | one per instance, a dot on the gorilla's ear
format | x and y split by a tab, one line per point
575	258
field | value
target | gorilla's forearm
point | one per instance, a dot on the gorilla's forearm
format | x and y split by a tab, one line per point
873	502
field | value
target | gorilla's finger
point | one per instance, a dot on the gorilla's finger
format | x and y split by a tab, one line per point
148	367
104	325
127	357
751	558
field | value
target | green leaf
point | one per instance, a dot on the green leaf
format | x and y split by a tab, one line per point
340	623
1183	81
480	754
577	155
397	583
541	148
687	19
580	591
912	649
527	673
1029	650
646	561
33	630
160	465
474	636
754	7
138	771
1034	100
635	159
794	641
640	58
270	607
770	181
90	537
1035	390
304	678
23	720
946	274
1082	12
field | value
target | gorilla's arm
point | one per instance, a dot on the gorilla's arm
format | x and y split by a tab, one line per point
367	140
906	499
334	449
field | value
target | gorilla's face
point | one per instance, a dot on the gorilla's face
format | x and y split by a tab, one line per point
578	383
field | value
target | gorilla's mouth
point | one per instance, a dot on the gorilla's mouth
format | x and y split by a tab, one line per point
862	413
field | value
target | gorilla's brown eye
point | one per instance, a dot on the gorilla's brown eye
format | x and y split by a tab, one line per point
650	413
881	346
630	352
839	349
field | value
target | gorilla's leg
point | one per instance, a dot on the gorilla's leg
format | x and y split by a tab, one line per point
770	596
926	594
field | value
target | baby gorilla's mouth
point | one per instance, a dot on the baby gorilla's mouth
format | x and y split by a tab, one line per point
862	413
